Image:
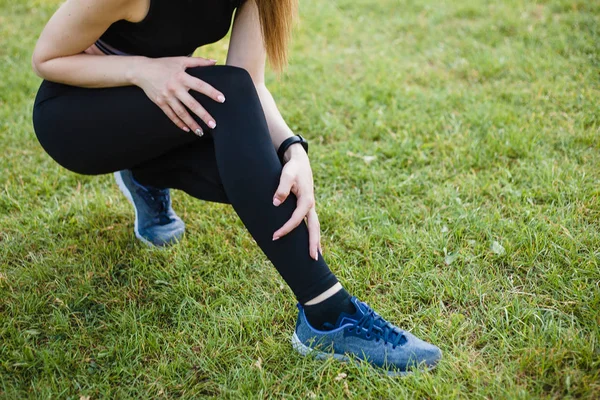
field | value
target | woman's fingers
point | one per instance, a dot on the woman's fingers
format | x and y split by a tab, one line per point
191	62
173	117
283	190
314	233
185	116
196	108
178	95
302	208
204	88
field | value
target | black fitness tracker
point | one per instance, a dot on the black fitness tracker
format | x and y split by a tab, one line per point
290	141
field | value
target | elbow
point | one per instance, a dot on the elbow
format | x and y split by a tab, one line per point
34	66
258	76
259	80
260	87
37	64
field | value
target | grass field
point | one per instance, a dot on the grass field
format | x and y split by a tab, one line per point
456	153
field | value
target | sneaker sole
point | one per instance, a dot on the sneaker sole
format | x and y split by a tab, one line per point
127	194
305	351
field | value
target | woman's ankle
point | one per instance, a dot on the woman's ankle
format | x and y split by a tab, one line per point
325	295
325	314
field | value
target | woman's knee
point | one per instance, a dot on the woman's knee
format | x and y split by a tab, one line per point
242	112
230	80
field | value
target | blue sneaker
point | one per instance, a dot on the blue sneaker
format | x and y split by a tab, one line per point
367	336
156	224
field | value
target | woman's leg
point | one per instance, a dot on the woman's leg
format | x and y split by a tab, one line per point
95	131
249	170
103	130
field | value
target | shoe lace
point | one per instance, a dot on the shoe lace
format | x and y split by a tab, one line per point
372	324
158	200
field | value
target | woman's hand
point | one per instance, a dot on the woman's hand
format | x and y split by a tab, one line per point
166	83
296	177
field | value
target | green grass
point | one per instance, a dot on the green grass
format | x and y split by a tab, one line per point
483	120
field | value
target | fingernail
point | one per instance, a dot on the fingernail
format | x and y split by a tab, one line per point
221	98
276	202
316	256
185	128
212	124
199	132
213	60
275	238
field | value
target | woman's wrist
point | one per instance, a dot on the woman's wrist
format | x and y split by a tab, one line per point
294	151
135	69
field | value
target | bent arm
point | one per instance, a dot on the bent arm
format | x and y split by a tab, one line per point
59	53
246	50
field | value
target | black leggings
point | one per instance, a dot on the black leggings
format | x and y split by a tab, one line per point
98	131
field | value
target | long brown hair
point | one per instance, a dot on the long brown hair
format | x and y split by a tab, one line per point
277	19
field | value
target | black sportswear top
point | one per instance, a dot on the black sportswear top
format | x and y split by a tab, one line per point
171	28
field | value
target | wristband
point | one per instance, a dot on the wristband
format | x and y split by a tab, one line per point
290	141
